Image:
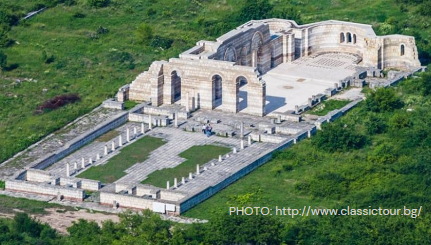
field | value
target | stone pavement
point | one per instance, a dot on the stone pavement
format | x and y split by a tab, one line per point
167	156
91	150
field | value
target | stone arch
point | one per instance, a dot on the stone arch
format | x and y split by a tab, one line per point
402	49
342	37
242	92
354	38
243	56
256	40
217	90
349	37
176	85
230	55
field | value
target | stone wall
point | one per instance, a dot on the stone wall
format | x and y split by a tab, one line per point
111	103
79	141
46	189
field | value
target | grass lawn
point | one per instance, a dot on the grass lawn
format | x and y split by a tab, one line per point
8	204
268	186
129	104
327	106
108	136
194	155
129	155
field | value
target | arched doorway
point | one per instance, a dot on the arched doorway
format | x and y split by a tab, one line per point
342	37
242	90
217	90
176	85
402	51
349	37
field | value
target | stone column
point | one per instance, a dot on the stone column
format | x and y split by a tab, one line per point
309	134
75	165
142	128
278	119
167	185
176	120
106	150
296	109
249	140
197	169
128	135
135	132
183	180
98	156
67	169
234	150
190	176
242	144
120	141
241	130
113	146
90	161
187	102
175	183
294	141
219	158
150	123
82	163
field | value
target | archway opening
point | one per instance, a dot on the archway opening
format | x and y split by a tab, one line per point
217	90
354	38
402	51
342	37
349	37
176	85
242	90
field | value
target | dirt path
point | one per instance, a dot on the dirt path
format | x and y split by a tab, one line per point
60	221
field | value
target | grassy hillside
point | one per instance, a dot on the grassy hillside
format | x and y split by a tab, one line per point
74	47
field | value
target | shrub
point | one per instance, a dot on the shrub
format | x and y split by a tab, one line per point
162	42
3	60
334	137
98	3
144	33
57	102
383	99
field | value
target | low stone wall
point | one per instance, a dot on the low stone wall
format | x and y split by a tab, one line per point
111	103
91	185
79	141
125	200
46	189
205	194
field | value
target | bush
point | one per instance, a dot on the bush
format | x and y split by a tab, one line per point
57	102
98	3
3	60
2	185
161	42
334	137
144	33
383	99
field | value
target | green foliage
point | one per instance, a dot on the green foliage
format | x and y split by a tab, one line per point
161	42
375	123
144	33
382	100
2	185
338	137
3	60
98	3
255	10
327	106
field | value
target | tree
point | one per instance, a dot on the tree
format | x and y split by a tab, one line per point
144	33
255	10
383	99
3	60
336	137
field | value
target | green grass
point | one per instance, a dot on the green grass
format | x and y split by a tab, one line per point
114	169
108	136
268	186
8	204
129	105
194	155
2	185
327	106
96	68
